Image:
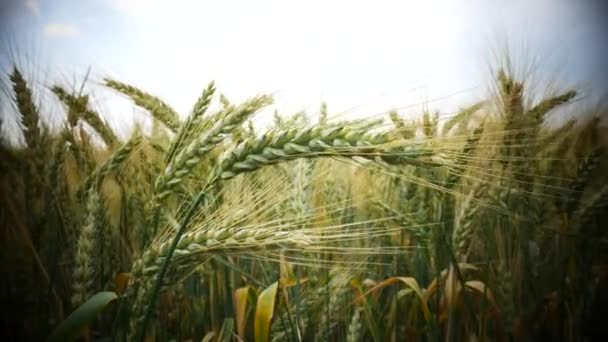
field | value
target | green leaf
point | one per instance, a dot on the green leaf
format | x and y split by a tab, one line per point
226	331
78	320
264	312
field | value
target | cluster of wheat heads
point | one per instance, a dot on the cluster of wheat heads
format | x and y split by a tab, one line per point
484	224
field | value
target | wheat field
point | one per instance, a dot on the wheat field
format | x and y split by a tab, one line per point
483	225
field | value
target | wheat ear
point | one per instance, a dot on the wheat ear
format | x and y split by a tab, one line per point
159	109
78	109
83	275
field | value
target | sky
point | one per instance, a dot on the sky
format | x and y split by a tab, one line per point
361	57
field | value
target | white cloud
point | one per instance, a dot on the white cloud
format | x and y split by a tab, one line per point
33	6
57	29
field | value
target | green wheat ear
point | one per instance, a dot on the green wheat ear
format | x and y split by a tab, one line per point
112	163
191	155
27	108
462	117
539	111
323	114
402	129
159	109
193	124
84	269
78	108
583	176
